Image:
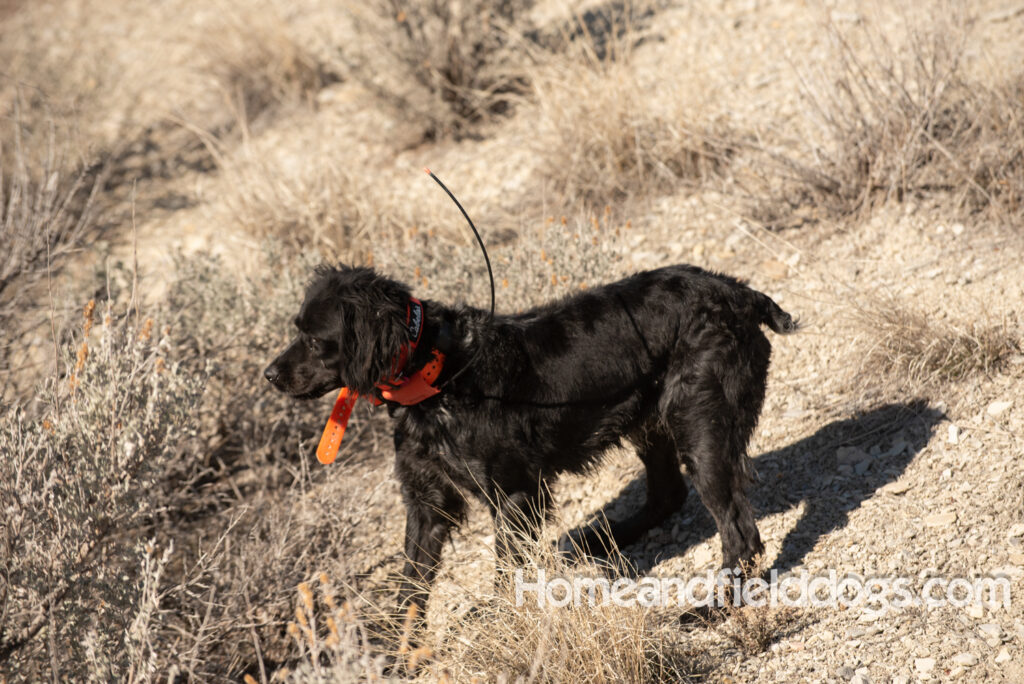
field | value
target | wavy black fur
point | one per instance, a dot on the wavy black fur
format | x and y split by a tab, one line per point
672	360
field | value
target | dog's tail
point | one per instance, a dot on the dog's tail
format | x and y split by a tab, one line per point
772	314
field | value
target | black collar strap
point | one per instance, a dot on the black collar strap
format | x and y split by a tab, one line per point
415	313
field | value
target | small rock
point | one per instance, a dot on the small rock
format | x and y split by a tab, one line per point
991	630
998	407
898	447
1017	530
940	519
643	257
855	633
860	679
897	487
965	659
775	269
845	672
850	455
1017	558
1003	656
702	556
975	612
924	664
1010	571
952	434
901	679
957	228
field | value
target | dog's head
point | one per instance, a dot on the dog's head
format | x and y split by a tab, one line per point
351	328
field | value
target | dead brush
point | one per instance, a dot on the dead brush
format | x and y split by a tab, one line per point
47	207
334	641
321	205
76	473
255	60
924	350
895	121
604	136
446	67
503	638
755	628
316	200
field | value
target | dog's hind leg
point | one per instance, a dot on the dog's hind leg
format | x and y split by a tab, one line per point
713	437
666	494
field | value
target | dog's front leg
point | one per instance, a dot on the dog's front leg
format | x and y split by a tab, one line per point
517	521
432	507
426	531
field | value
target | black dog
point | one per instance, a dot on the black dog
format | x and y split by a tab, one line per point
674	360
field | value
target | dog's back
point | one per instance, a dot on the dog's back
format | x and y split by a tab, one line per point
617	333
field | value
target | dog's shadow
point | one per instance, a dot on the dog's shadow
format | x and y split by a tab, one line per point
880	444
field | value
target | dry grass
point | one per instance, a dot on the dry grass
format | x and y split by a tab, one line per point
321	205
520	637
551	644
898	121
255	60
202	65
445	67
320	202
755	628
339	641
606	137
924	350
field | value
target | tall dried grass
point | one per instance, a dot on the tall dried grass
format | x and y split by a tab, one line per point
909	345
901	120
499	639
445	67
605	136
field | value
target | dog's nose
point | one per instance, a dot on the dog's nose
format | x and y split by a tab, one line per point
272	374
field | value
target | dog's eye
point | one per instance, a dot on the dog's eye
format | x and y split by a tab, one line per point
313	344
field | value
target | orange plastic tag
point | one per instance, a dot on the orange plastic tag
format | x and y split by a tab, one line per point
419	387
330	441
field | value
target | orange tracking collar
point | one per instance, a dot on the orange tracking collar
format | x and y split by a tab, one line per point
397	388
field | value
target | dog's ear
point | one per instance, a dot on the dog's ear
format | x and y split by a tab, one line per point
374	327
381	330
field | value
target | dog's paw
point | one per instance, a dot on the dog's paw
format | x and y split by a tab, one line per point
701	616
582	542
